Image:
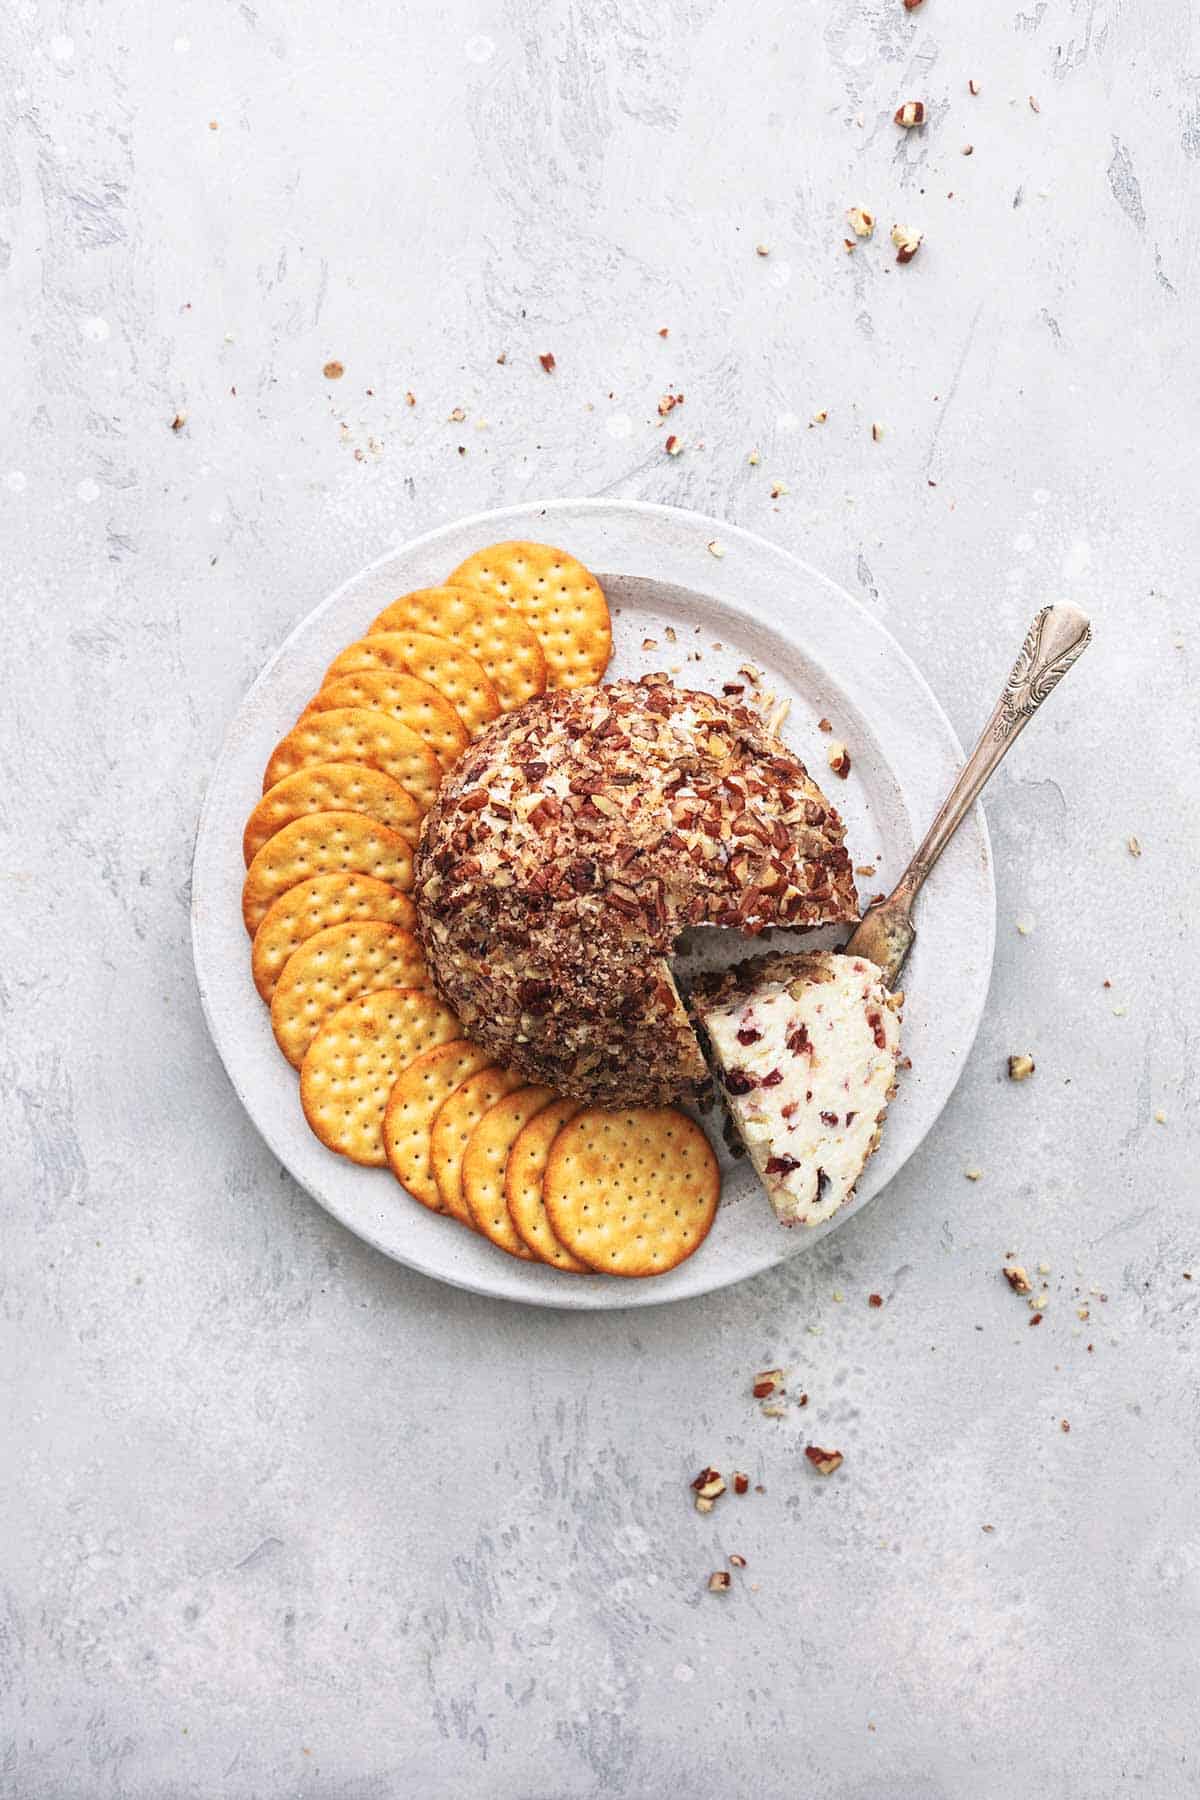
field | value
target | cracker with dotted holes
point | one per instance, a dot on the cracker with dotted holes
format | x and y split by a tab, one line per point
523	1176
311	906
353	1063
331	787
355	734
484	1163
484	625
452	1129
327	843
555	595
337	965
418	1096
458	677
407	698
631	1193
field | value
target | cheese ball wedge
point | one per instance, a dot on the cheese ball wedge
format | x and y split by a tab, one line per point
804	1048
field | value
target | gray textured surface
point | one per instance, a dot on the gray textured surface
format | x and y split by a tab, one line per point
280	1518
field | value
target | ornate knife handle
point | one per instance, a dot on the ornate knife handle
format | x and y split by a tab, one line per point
1056	639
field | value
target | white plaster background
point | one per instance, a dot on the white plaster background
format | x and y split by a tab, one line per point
278	1518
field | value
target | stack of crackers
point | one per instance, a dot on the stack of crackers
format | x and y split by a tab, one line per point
387	1076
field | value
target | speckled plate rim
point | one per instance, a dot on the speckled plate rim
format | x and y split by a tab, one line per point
631	539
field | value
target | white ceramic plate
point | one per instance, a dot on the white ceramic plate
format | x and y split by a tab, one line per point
817	647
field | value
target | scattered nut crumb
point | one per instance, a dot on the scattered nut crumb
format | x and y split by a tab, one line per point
1160	1117
767	1382
649	643
736	1561
907	242
773	1412
867	869
987	1528
673	445
968	149
1040	1302
819	418
720	1581
973	1174
179	421
1020	1068
911	5
333	371
1065	1425
1134	846
911	113
410	399
1033	105
824	1461
664	330
703	1505
838	758
1016	1278
709	1485
547	361
874	1299
741	1483
1036	1319
502	358
716	548
973	86
762	249
1025	927
778	488
754	459
849	246
669	634
824	725
1084	1313
862	222
457	416
877	434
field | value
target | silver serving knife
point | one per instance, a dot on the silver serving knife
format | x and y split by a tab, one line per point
1056	639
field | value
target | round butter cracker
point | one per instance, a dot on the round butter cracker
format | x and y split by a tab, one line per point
458	677
419	1093
555	595
407	698
330	787
313	905
352	1065
523	1177
325	843
484	1162
355	734
631	1193
335	966
485	626
452	1129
